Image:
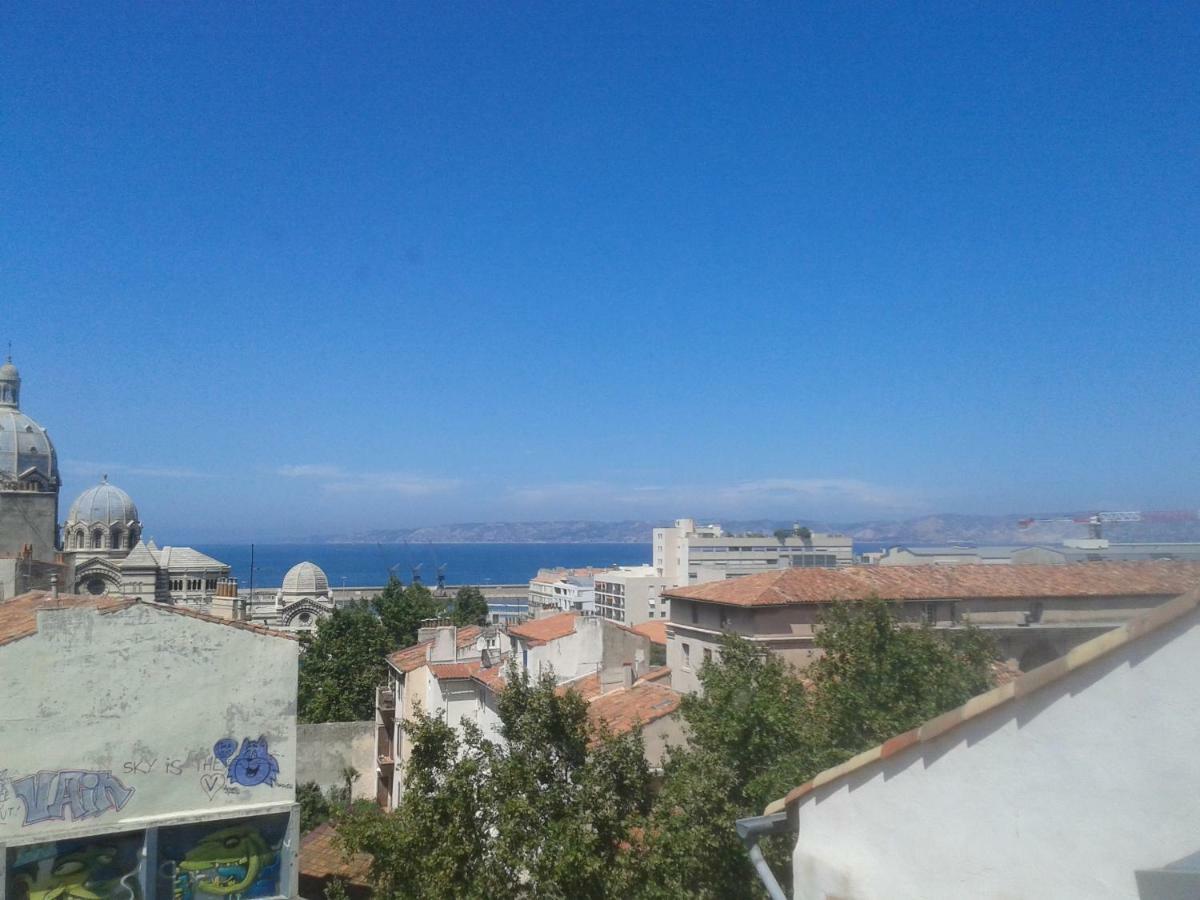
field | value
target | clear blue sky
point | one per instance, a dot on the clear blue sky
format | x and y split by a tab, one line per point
292	268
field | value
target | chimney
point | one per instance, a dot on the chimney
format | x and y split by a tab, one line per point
445	645
54	585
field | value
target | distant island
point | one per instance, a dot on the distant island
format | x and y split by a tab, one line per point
930	529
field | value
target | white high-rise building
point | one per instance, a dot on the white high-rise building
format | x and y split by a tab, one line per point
690	554
631	595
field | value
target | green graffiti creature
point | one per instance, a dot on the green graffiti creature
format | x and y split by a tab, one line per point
75	876
229	862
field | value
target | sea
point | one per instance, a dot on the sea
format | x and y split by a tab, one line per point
368	565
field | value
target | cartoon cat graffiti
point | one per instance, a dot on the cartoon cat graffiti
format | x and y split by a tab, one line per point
253	764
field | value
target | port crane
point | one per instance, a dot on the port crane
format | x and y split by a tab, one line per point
1096	521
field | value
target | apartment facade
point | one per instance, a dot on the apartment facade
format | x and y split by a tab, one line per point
147	750
563	590
458	674
631	595
1035	613
689	554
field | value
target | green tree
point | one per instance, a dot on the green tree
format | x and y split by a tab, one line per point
803	532
469	607
341	664
878	678
756	732
546	813
402	609
314	807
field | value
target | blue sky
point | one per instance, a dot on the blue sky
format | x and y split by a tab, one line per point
282	269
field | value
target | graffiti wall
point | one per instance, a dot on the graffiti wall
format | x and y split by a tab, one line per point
96	867
235	859
111	720
75	795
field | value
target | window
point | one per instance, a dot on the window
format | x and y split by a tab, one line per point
707	655
724	619
97	539
931	613
687	657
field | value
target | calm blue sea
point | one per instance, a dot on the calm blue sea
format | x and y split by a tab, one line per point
364	565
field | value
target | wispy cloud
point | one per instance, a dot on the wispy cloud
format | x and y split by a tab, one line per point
87	469
337	480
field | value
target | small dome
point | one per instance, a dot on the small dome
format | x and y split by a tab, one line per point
105	504
305	579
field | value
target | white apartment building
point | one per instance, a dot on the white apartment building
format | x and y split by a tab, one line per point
690	554
563	590
631	595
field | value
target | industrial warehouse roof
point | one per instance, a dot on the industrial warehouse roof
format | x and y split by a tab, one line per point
18	616
1082	656
786	587
416	655
541	631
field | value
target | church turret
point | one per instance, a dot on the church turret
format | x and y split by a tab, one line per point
10	386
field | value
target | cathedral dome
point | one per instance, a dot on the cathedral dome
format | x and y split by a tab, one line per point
24	444
305	579
105	504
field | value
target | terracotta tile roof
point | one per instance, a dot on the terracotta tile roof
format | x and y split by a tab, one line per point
18	616
656	631
415	656
657	674
1084	655
629	708
491	677
536	632
1090	579
321	857
587	687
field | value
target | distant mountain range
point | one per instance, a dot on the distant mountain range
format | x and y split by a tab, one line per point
933	529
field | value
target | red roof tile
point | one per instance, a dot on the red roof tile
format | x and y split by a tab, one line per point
491	677
415	655
18	616
587	687
541	631
629	708
656	631
1090	579
321	857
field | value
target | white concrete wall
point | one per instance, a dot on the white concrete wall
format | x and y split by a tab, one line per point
1062	794
121	714
323	750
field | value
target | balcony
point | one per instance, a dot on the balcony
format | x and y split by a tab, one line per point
385	702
